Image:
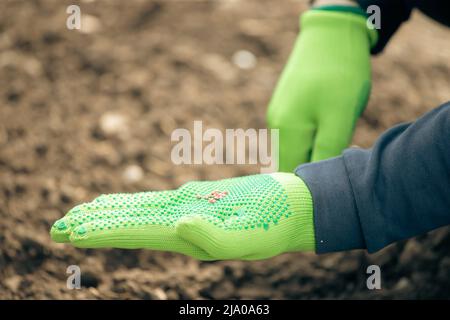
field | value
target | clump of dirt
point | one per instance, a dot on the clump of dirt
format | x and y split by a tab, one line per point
85	113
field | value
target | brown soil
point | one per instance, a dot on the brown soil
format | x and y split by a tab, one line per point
159	66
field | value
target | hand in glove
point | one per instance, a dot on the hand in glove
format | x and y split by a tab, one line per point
324	86
252	217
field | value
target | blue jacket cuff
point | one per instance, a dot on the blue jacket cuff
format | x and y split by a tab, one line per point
336	221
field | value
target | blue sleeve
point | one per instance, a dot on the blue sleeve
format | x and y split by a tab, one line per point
393	13
367	199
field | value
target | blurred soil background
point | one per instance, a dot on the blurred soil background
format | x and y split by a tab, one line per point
89	112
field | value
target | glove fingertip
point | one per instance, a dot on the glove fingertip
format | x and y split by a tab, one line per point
59	231
79	236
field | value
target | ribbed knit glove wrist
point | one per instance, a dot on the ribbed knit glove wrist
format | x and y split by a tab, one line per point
249	218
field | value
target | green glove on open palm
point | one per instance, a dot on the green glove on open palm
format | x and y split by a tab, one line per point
253	217
323	88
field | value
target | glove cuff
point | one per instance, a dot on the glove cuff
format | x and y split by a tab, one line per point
341	8
339	17
300	202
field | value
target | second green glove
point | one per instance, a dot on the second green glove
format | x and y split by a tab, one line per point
324	86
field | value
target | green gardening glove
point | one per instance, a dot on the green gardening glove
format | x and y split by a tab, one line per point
324	86
249	218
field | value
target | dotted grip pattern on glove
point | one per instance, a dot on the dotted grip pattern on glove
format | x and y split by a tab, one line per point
252	217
